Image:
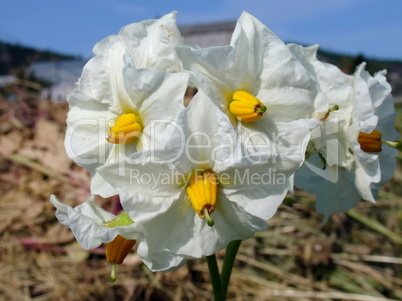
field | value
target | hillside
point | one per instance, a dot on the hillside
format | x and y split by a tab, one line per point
348	62
15	57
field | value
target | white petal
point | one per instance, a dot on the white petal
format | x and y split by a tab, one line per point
366	174
259	63
266	68
100	186
387	165
146	189
86	222
105	45
336	85
251	39
258	192
101	97
211	140
363	109
164	260
306	55
159	95
180	231
334	186
277	142
101	80
86	144
383	102
260	186
210	67
151	43
380	92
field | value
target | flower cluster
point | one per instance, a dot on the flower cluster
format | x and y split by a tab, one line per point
193	176
352	153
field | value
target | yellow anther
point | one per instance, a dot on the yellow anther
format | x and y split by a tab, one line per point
127	127
116	251
118	248
370	143
246	107
203	191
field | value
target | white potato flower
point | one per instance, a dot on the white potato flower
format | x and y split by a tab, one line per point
256	80
352	159
207	193
126	93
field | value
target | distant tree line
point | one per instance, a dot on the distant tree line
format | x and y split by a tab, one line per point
15	58
348	63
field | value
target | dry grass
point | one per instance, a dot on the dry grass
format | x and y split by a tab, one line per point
355	256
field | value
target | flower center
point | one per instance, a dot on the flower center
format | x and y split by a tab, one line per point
127	127
370	143
246	107
203	191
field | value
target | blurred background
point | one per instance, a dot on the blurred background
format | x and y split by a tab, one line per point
44	45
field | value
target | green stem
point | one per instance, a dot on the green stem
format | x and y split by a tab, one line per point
215	278
230	256
396	144
373	224
334	108
113	273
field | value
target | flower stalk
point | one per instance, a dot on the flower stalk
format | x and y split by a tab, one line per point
394	144
220	281
215	278
228	263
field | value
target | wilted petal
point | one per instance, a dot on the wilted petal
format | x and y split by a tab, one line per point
88	223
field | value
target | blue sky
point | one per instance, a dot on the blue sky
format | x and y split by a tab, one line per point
371	27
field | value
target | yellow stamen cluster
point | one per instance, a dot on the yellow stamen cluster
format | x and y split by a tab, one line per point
116	251
370	143
118	248
203	191
246	107
127	127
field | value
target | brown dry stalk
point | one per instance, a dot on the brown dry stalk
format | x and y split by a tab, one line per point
323	295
